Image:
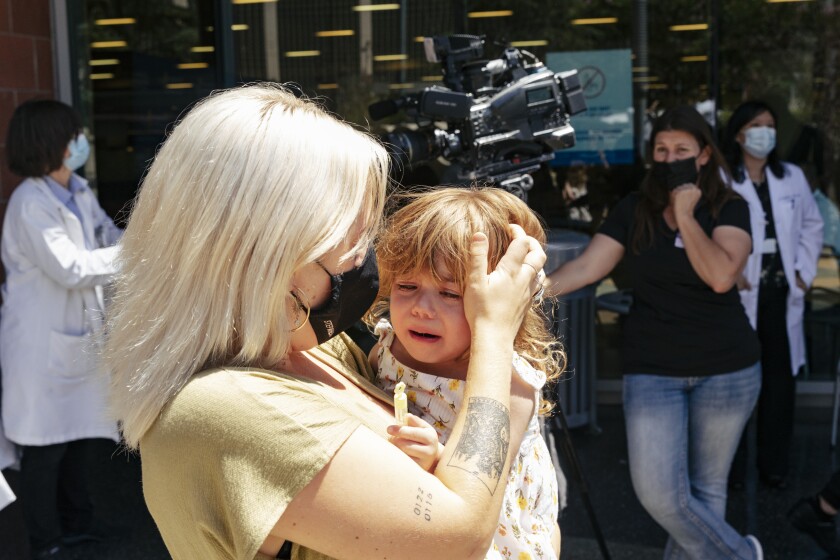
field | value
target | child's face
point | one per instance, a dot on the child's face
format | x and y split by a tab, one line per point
429	322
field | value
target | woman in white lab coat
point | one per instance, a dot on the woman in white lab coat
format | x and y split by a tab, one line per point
58	251
787	240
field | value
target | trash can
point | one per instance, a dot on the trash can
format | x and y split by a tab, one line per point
572	318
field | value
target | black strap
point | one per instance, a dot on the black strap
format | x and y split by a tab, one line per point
285	551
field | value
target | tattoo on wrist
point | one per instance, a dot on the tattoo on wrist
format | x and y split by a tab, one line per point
483	446
423	504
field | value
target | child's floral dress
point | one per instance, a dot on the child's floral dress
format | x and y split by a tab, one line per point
530	507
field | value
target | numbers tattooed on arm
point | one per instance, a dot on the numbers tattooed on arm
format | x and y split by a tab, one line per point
423	504
483	446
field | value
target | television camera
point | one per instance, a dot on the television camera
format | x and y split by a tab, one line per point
494	121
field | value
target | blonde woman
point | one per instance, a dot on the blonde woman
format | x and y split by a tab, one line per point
247	247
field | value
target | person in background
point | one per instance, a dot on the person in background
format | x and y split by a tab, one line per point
12	529
58	250
425	343
830	215
246	257
817	516
787	233
690	357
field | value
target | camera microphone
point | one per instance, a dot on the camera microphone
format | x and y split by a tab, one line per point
382	109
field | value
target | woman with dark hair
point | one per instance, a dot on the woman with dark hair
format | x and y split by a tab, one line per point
690	358
57	250
787	239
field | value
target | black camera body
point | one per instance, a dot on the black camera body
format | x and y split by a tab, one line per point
502	118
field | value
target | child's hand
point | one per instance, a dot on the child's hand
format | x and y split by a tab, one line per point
418	440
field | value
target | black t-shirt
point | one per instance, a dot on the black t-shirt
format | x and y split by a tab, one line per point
678	326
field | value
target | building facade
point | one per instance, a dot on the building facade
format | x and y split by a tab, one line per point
132	67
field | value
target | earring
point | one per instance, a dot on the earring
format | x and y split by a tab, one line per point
302	306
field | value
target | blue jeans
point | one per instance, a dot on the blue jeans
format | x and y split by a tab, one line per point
682	434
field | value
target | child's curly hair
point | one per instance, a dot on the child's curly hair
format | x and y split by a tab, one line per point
434	227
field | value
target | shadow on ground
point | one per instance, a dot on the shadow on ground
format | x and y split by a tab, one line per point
630	533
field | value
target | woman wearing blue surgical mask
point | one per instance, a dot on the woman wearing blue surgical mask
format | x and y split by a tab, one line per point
787	239
58	251
690	358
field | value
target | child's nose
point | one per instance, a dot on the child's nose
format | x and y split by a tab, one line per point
423	306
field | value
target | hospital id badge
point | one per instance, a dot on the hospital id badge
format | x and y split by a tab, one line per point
768	247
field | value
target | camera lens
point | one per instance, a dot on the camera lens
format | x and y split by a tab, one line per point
408	147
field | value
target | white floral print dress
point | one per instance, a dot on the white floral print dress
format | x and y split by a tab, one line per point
530	507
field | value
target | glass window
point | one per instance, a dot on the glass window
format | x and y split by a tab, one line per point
141	64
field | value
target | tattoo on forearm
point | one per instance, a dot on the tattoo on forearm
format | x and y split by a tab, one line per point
483	447
423	504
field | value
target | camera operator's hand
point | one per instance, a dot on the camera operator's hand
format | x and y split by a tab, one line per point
683	200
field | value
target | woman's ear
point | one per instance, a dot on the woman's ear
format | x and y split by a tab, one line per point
704	156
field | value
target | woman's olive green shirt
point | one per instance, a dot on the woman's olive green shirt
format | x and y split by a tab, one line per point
236	445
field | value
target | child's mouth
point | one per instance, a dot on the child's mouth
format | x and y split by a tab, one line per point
424	336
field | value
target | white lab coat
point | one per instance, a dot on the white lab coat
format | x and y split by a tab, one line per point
53	391
799	239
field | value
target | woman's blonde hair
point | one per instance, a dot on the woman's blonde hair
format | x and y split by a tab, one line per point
252	184
434	228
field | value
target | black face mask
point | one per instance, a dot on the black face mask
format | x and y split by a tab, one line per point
351	295
676	173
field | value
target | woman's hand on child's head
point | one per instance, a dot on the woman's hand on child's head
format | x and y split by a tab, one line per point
503	295
419	440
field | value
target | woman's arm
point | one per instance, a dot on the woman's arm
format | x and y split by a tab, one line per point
598	259
108	233
371	500
45	241
419	440
718	260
